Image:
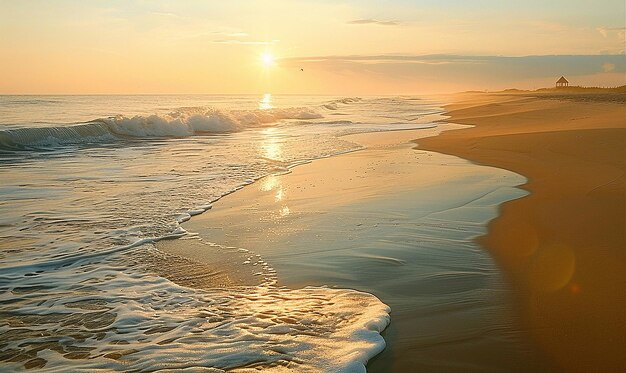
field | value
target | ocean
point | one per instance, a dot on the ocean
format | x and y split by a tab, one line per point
91	183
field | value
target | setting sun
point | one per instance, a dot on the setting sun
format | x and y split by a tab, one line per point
267	59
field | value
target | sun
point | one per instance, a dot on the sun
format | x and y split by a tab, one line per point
267	59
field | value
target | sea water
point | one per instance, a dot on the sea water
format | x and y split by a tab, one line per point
90	183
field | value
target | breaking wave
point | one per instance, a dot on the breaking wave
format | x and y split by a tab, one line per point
183	122
92	316
334	104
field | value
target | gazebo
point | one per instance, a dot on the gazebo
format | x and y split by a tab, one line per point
562	82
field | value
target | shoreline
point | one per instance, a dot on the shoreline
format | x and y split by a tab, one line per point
561	247
548	292
392	221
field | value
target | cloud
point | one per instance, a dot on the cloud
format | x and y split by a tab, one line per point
475	71
165	14
231	34
433	59
608	67
239	37
620	32
371	21
558	61
245	42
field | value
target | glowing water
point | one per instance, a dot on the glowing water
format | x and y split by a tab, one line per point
90	182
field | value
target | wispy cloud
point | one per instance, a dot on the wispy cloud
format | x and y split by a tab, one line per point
239	37
607	31
230	34
433	59
165	14
467	69
245	42
370	21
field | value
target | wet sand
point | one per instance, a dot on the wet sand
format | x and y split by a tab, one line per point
563	247
392	221
409	226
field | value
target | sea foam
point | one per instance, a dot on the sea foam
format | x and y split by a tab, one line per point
182	122
104	318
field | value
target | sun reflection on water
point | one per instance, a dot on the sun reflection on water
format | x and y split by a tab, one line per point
279	194
268	183
271	145
271	148
266	102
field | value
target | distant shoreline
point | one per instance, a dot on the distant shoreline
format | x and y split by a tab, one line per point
560	90
573	93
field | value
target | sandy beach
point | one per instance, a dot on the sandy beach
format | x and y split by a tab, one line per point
562	247
410	226
392	221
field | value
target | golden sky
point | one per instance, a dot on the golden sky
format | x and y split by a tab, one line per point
334	47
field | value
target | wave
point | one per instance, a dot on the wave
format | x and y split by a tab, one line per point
136	321
338	122
183	122
334	104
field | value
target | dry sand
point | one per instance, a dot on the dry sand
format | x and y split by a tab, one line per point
563	246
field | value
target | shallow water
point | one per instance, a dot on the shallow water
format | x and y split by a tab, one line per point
89	183
396	222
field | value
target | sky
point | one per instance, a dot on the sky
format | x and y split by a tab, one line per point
310	47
